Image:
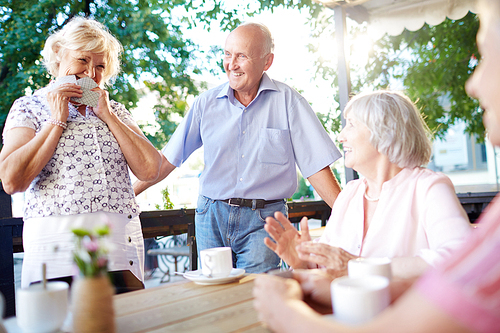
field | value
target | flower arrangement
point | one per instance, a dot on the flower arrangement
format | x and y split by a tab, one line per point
90	252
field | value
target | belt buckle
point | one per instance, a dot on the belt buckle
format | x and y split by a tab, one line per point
237	202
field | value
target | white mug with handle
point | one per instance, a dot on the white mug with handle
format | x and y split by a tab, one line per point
216	262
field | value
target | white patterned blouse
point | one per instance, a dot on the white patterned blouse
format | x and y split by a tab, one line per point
88	171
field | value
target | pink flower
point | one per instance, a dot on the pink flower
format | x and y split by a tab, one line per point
91	245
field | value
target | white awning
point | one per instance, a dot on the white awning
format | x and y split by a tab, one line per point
393	16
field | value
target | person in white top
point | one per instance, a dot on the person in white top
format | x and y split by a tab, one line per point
398	210
72	160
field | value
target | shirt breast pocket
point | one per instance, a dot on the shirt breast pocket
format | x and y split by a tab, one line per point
274	146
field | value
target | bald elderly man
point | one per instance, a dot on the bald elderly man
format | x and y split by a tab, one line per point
254	131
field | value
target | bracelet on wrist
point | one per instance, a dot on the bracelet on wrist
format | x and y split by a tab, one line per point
57	123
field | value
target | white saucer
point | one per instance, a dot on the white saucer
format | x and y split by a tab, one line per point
198	278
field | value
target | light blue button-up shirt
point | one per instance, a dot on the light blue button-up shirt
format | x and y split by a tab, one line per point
251	152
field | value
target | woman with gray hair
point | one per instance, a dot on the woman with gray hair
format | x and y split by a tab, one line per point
70	147
398	210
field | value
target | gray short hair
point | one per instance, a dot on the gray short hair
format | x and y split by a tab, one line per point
397	127
84	35
268	38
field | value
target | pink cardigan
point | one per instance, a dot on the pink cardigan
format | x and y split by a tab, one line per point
418	214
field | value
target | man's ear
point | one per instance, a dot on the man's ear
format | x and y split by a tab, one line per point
269	61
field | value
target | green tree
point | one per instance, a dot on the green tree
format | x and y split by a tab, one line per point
155	51
434	63
150	33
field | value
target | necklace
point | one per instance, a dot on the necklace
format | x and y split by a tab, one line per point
367	197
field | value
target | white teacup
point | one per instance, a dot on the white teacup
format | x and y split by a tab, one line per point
361	267
358	300
216	262
40	310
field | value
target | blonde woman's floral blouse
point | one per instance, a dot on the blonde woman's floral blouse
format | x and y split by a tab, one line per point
88	171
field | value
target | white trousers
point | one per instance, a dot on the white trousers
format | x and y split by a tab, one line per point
50	240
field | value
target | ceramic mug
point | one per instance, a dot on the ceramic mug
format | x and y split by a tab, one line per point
358	300
40	310
216	262
361	267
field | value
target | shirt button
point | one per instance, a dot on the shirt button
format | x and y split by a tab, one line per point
242	156
241	179
244	132
359	246
99	170
130	240
129	217
131	262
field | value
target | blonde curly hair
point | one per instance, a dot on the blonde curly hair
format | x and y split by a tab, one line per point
83	34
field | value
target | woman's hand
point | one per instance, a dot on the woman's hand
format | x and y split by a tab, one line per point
279	304
286	238
271	295
333	258
103	109
142	157
59	98
315	285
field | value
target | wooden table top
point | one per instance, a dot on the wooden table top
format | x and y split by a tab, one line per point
187	307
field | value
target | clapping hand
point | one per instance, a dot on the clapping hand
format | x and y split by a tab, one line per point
286	238
333	258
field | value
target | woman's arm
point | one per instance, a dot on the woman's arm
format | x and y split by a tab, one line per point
336	259
408	267
445	222
25	154
280	306
142	157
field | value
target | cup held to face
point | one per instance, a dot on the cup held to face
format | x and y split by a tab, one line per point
216	262
40	310
358	300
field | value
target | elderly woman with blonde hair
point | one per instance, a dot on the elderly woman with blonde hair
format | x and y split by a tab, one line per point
70	147
397	210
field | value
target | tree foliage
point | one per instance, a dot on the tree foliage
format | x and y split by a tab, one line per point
433	63
155	51
154	48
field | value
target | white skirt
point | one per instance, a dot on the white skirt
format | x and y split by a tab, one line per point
50	240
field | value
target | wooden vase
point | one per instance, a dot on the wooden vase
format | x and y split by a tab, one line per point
92	305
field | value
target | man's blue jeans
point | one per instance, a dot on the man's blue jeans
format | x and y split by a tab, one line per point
241	228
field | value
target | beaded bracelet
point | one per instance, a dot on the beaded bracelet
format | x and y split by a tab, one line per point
57	123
